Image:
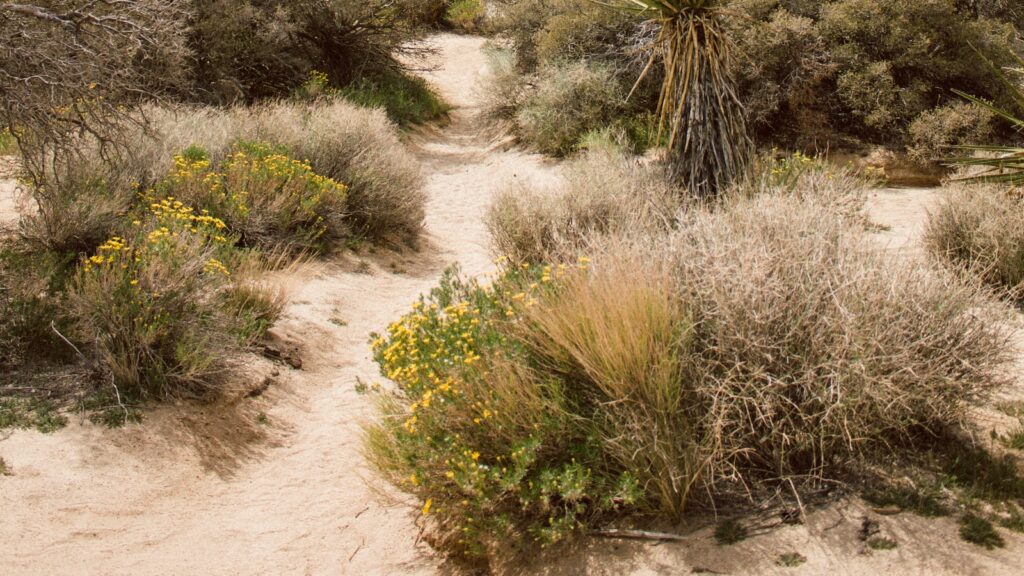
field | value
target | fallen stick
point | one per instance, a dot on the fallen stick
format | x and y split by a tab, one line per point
640	535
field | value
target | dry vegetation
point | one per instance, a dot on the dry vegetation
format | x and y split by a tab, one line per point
155	217
758	342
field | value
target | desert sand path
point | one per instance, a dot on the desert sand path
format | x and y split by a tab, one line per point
228	490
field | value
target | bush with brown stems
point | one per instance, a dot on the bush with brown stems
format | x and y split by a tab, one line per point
605	192
979	230
762	341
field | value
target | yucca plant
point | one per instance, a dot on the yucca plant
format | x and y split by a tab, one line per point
698	108
1000	164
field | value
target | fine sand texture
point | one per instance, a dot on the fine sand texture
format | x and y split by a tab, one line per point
278	484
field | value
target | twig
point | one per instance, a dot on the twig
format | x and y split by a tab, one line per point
803	515
356	551
53	326
640	535
117	394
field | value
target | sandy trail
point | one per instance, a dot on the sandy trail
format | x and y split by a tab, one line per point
228	490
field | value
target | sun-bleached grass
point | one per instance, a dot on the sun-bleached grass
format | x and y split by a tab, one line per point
979	231
816	349
605	193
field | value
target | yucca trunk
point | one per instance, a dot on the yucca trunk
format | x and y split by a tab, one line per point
707	134
708	142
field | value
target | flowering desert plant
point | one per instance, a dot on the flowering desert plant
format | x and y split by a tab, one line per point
759	343
149	300
263	195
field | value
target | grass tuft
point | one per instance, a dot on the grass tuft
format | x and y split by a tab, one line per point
730	532
977	530
791	560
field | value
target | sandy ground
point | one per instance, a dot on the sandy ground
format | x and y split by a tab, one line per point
278	485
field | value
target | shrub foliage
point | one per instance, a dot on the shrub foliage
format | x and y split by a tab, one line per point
755	344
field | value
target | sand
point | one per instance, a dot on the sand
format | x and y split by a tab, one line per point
279	485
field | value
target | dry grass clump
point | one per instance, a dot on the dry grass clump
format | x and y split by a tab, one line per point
979	230
359	147
761	341
605	192
570	100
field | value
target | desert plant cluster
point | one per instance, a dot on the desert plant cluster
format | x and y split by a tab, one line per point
816	75
690	324
164	182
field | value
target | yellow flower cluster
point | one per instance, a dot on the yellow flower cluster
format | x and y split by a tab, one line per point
216	266
170	212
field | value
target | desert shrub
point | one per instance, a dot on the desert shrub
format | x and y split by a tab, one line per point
30	306
980	231
887	62
466	14
839	189
504	89
570	101
356	146
543	32
783	64
250	50
811	74
605	192
892	334
406	99
265	198
360	148
78	204
894	59
151	303
759	342
933	133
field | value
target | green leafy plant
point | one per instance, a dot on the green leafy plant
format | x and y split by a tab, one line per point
730	532
707	133
466	14
1001	164
791	560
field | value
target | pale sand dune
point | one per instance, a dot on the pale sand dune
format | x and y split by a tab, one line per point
214	492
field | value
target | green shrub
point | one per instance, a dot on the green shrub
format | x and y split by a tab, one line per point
895	59
466	15
247	50
407	99
980	231
935	132
758	342
977	530
266	198
570	101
